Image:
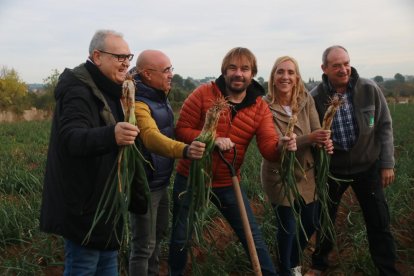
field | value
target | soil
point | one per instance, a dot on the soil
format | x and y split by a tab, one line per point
222	235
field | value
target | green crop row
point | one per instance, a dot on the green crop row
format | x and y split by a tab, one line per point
24	250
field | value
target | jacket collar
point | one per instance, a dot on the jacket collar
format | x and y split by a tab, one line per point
82	74
104	84
148	92
277	108
254	90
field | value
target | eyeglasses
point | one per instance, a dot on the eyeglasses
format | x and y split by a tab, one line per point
120	57
167	70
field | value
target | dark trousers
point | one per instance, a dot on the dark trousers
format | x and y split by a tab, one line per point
370	194
225	201
288	235
147	232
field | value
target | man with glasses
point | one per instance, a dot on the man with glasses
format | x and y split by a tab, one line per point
119	57
87	130
155	120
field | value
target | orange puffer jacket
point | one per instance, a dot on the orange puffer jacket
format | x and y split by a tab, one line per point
254	118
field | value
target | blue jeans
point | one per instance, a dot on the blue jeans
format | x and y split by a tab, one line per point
225	201
287	239
80	260
370	194
147	231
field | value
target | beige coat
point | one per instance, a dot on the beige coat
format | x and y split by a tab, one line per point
308	121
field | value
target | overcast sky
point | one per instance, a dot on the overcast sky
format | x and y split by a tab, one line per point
39	36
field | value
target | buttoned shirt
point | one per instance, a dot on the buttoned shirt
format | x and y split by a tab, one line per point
344	125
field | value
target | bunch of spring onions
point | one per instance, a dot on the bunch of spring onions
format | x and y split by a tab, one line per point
287	170
199	179
322	174
288	178
127	171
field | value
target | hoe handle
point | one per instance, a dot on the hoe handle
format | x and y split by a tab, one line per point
242	209
246	227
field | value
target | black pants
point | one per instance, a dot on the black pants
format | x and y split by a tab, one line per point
370	194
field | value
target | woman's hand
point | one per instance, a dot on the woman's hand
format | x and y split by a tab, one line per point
290	142
329	146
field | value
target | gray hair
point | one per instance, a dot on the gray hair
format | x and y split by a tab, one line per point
328	50
98	40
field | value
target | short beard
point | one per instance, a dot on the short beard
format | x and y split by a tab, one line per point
236	90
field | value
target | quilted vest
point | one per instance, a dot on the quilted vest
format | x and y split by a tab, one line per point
163	116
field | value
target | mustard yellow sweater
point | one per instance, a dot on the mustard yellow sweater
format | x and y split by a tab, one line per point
152	138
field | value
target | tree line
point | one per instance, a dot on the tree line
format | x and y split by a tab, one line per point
16	96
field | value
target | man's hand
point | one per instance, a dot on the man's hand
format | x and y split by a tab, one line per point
224	143
290	142
196	150
320	136
387	177
125	133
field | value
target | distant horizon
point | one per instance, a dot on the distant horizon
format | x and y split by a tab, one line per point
198	79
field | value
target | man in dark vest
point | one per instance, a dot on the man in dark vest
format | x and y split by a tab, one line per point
155	118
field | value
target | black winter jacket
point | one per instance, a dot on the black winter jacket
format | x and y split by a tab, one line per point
82	152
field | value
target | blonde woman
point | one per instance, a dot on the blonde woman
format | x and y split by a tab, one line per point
287	95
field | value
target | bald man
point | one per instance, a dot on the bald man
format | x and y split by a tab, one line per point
155	119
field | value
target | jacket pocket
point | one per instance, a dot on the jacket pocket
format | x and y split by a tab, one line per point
368	116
